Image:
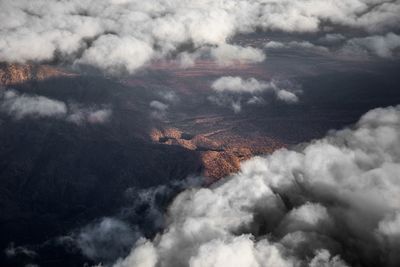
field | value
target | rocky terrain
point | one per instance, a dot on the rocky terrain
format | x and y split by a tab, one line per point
220	150
57	176
12	74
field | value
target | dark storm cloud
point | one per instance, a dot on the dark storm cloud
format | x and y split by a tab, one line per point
333	202
125	35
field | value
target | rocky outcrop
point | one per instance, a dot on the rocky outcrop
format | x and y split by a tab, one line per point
11	74
220	151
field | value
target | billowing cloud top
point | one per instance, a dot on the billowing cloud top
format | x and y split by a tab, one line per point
116	35
335	202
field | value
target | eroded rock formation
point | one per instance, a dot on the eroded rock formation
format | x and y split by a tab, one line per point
11	74
220	151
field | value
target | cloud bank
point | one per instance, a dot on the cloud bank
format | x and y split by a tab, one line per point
125	35
333	202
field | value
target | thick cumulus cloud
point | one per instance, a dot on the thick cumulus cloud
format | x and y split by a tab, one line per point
116	35
19	106
236	92
333	202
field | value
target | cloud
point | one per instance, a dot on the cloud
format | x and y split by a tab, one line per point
158	105
169	96
238	85
126	35
117	54
229	54
296	45
333	202
159	109
236	92
80	115
332	38
11	252
21	106
106	239
324	259
385	46
144	256
286	96
223	55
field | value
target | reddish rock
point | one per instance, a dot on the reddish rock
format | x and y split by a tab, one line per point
220	151
19	73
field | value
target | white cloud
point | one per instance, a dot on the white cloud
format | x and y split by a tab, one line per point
390	226
238	85
106	239
296	45
229	54
159	109
21	106
382	46
335	198
144	256
236	91
99	116
323	259
158	105
287	96
332	38
117	54
126	35
80	115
